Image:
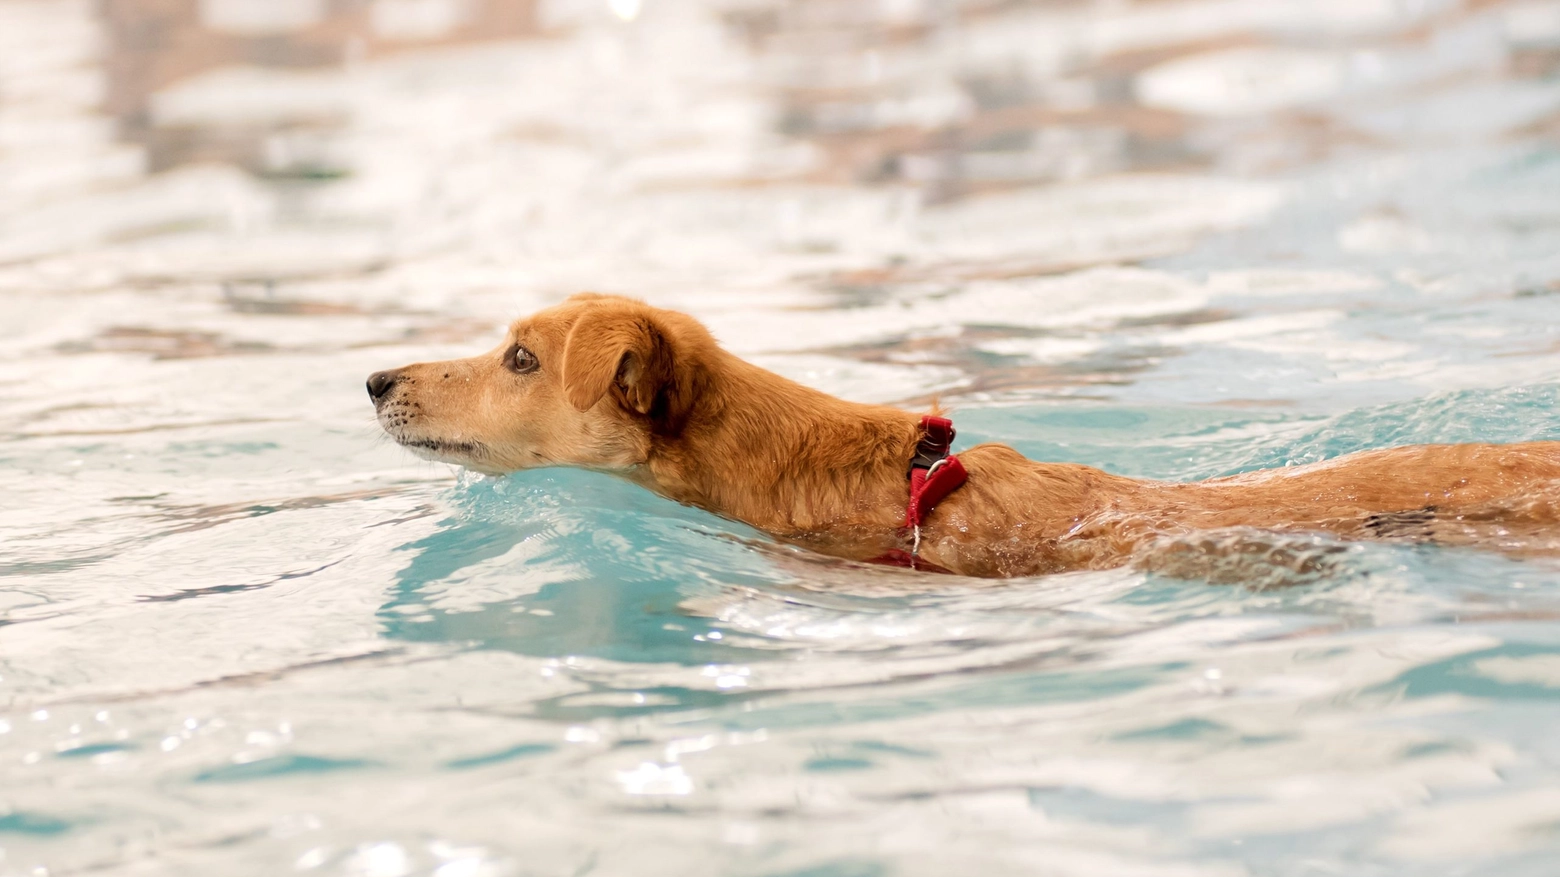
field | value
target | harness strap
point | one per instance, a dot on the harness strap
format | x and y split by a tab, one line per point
934	473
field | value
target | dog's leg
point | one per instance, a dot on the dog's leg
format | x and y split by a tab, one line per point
1259	560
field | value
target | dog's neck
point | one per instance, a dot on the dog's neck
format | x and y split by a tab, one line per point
820	465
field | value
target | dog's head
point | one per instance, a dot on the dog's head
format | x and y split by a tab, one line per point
592	383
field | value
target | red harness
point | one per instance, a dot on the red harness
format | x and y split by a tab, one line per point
934	473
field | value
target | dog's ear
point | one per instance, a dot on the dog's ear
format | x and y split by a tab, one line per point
629	351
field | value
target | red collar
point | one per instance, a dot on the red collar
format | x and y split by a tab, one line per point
934	473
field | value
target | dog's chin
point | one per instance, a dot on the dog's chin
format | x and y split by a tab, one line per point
471	455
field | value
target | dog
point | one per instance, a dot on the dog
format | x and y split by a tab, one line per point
615	385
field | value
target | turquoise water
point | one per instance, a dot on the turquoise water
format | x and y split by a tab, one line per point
242	633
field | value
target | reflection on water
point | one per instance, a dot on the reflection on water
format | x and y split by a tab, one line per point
241	633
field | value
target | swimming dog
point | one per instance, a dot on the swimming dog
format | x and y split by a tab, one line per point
615	385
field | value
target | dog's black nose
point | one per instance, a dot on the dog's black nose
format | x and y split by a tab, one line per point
379	383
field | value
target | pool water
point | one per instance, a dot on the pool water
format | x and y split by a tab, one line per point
241	632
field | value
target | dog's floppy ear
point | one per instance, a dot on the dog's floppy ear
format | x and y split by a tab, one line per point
627	350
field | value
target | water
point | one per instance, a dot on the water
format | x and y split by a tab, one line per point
241	633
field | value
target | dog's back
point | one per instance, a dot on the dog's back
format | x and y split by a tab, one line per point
1018	516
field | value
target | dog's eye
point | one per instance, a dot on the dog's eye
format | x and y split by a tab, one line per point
523	361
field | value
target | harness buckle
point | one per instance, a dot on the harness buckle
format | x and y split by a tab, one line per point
934	444
926	458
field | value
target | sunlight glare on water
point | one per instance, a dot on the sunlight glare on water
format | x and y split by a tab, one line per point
243	633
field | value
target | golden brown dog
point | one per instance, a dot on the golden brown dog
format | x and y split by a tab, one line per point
615	385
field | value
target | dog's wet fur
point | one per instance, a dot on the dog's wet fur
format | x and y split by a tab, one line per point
615	385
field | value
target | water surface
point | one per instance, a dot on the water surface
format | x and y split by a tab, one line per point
242	633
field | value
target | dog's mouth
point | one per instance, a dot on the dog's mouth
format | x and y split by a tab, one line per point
443	450
442	447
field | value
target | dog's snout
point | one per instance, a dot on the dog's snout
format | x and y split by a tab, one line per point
379	383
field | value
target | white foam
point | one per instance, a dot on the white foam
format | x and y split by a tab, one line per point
1097	297
252	96
260	17
1532	22
1242	81
1265	282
